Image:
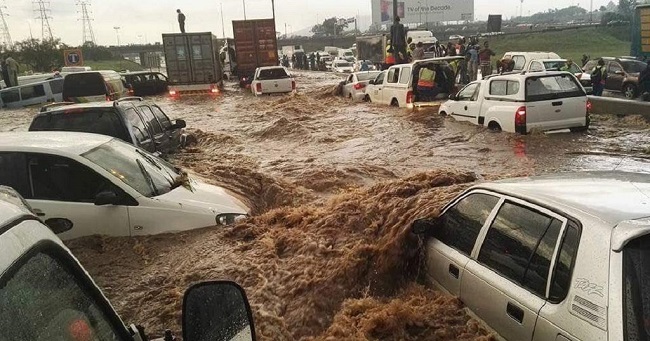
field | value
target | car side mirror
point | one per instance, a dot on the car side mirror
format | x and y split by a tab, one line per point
179	124
106	198
453	97
425	226
217	310
59	225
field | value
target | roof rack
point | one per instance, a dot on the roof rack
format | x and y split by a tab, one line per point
127	99
46	107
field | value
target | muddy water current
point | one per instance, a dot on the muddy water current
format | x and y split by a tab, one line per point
333	187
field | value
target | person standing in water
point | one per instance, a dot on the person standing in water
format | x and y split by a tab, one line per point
181	20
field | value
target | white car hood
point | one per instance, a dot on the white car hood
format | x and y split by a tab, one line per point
205	197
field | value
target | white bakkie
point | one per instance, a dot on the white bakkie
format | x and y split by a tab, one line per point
272	80
522	103
107	187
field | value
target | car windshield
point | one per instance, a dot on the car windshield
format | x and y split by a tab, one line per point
557	65
145	173
277	73
633	66
367	76
636	285
552	87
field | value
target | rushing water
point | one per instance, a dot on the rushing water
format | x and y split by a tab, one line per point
334	186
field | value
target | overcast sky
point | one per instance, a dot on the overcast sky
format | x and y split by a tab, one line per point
145	20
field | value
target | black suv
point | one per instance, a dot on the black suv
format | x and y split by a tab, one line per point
145	83
622	75
141	123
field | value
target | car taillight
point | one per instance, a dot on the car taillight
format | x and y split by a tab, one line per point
520	117
359	86
172	92
409	97
108	98
258	87
589	105
293	85
213	89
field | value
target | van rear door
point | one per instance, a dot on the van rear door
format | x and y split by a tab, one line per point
555	102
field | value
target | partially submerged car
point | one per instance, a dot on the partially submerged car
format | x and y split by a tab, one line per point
107	187
558	257
522	103
397	86
46	294
133	120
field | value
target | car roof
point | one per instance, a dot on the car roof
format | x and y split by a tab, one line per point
63	106
610	196
55	142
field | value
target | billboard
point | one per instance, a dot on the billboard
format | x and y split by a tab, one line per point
420	11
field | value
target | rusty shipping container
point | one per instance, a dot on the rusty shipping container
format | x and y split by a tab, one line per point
256	45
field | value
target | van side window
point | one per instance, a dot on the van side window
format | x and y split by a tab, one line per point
151	120
139	129
405	75
504	87
536	66
393	75
13	170
10	96
28	92
520	62
44	297
380	78
61	179
461	224
561	281
520	244
56	85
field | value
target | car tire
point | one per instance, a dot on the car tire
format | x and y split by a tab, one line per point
394	103
442	113
367	99
495	127
629	90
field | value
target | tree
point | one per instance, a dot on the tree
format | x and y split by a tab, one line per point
603	9
94	52
626	8
42	56
329	27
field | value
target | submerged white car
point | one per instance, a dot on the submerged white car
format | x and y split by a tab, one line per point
107	187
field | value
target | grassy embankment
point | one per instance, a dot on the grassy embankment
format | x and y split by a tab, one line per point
594	41
116	65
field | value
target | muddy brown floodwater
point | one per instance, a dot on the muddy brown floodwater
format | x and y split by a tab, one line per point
333	186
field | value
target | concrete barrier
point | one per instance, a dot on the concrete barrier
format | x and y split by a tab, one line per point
618	106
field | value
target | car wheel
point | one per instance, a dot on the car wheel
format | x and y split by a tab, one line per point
367	99
493	126
629	90
442	113
394	103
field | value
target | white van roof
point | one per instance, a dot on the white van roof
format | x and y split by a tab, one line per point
60	143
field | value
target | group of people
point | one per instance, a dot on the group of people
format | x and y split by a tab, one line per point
302	61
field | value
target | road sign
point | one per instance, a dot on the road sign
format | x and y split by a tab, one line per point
73	57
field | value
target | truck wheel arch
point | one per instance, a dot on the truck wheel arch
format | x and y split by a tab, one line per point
494	125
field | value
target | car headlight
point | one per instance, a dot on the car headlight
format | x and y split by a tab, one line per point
226	219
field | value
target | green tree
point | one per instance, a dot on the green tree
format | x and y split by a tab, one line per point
41	56
603	9
329	27
95	52
626	8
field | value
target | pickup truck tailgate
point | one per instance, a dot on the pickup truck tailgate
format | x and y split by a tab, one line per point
277	85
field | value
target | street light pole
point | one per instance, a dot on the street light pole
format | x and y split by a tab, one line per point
273	8
117	33
244	2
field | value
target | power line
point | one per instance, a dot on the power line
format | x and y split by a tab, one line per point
44	16
5	37
86	22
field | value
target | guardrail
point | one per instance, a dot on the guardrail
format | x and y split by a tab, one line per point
619	106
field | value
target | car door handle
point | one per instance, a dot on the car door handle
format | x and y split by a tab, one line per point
556	104
39	212
454	271
465	107
515	312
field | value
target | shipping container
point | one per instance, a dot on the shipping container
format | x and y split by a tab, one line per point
192	62
641	32
256	45
371	48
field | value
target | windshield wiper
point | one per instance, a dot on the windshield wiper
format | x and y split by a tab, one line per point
148	158
148	177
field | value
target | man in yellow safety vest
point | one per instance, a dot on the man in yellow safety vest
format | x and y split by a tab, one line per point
427	87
